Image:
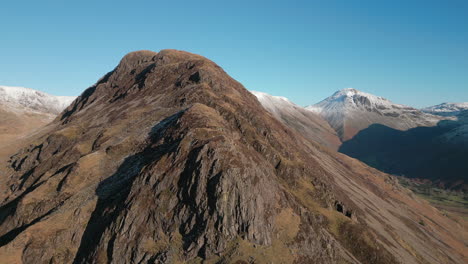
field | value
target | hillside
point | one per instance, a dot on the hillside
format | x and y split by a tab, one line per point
23	111
307	123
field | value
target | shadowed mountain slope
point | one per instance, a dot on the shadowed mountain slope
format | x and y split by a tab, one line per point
437	153
169	160
446	109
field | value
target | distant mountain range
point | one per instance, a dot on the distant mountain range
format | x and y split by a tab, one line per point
20	99
23	110
446	109
349	111
431	143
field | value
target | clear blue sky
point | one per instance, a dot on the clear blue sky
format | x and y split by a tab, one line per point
412	52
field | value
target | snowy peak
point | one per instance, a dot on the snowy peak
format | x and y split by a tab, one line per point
26	99
271	102
351	92
446	109
349	111
349	98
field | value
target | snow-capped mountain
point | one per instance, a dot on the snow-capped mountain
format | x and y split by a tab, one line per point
26	99
349	111
446	109
24	110
274	103
309	124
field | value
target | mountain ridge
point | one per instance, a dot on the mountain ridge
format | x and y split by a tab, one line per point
309	124
27	99
168	159
23	111
446	109
348	111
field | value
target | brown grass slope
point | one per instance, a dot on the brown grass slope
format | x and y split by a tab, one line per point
14	125
169	160
15	128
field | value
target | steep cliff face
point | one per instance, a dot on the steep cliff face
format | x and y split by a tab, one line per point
169	160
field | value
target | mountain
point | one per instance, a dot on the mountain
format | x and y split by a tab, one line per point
167	159
349	111
20	99
24	110
458	131
446	109
435	153
401	140
309	124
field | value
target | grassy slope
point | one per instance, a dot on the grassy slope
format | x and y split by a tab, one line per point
454	202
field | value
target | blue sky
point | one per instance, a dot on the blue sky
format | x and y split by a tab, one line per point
412	52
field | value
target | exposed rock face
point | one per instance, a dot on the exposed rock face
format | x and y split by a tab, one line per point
168	160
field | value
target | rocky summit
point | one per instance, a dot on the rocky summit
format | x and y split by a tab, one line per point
167	159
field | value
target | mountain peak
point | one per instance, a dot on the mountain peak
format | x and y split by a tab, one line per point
446	109
348	91
142	75
27	99
136	57
349	110
352	92
264	96
132	60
